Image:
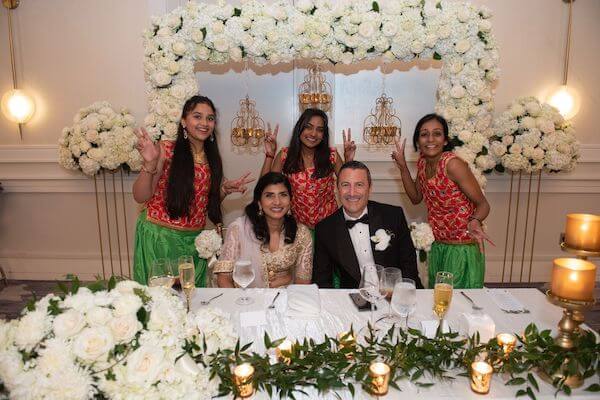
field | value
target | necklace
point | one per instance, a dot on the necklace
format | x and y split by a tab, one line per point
430	170
199	157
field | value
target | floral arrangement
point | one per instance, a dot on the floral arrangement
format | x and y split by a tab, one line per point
99	138
422	237
339	32
126	341
208	243
531	136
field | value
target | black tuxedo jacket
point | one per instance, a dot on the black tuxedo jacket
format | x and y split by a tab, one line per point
334	249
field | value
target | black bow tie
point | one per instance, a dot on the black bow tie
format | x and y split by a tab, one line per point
364	219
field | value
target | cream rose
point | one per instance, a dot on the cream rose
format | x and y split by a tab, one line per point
126	304
93	344
462	46
99	316
144	365
68	324
179	48
124	328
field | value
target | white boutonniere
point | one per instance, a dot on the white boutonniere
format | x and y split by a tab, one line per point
382	237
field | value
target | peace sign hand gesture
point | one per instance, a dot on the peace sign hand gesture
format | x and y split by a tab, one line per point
349	146
237	185
398	154
149	150
271	141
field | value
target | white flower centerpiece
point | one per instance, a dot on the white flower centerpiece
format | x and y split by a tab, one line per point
99	138
531	136
127	342
422	237
458	33
208	244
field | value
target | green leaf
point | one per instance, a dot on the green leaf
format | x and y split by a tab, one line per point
516	381
112	283
437	56
267	340
422	256
53	308
143	316
530	393
533	382
593	388
351	389
375	7
237	12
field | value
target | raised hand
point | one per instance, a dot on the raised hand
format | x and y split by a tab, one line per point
236	185
477	233
349	146
398	154
271	141
149	150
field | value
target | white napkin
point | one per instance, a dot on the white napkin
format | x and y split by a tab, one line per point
303	301
482	323
253	318
429	328
505	300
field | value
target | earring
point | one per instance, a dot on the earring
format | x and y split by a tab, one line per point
260	212
212	137
185	135
289	213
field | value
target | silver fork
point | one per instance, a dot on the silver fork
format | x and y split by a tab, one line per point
272	305
523	311
473	305
207	302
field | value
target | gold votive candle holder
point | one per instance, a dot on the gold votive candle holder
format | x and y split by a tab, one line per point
507	342
573	279
481	377
243	375
379	372
582	232
284	351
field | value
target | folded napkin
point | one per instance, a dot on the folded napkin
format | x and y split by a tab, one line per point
478	322
505	300
429	328
303	301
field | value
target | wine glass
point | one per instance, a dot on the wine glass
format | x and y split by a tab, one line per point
369	287
243	275
387	281
187	277
442	295
404	298
161	273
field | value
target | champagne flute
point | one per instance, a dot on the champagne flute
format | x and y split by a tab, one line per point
442	295
187	277
243	275
404	298
389	277
161	274
369	287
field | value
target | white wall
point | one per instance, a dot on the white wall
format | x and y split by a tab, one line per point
71	53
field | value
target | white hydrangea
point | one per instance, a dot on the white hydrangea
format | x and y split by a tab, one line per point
421	235
208	243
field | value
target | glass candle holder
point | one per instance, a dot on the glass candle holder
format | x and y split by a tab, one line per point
379	372
507	342
243	375
284	351
481	377
582	232
573	279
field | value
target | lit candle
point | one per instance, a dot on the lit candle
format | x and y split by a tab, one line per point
573	279
507	341
284	347
379	373
582	232
347	340
242	378
481	377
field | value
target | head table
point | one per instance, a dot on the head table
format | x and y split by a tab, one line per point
338	313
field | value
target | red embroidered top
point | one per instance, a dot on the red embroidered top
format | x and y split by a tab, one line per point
156	206
448	207
312	198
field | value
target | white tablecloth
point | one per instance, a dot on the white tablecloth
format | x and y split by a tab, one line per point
338	312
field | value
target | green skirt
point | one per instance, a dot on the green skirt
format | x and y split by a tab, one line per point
153	241
336	273
464	261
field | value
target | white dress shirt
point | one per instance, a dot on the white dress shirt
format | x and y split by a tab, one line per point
361	241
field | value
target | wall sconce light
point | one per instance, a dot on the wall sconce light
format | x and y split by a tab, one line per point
565	98
16	105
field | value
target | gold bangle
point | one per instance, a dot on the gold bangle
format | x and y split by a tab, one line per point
153	172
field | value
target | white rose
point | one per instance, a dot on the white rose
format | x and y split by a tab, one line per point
304	5
218	27
417	46
347	58
515	148
96	154
68	324
144	365
221	44
538	154
197	35
457	92
498	149
366	29
173	67
465	136
545	125
127	287
202	53
516	110
124	328
462	46
179	48
485	25
533	108
508	140
463	14
127	304
528	122
93	344
389	29
186	365
298	27
161	78
99	316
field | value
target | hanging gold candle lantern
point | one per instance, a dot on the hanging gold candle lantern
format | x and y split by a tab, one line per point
382	125
247	128
315	91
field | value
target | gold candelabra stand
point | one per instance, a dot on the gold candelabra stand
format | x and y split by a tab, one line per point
382	126
247	128
315	91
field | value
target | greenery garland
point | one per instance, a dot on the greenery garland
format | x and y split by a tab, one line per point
411	356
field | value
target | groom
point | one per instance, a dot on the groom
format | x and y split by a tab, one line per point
346	240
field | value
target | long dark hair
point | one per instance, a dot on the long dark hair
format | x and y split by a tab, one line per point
180	186
259	222
293	162
450	143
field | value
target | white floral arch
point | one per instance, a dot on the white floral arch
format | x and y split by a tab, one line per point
457	33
